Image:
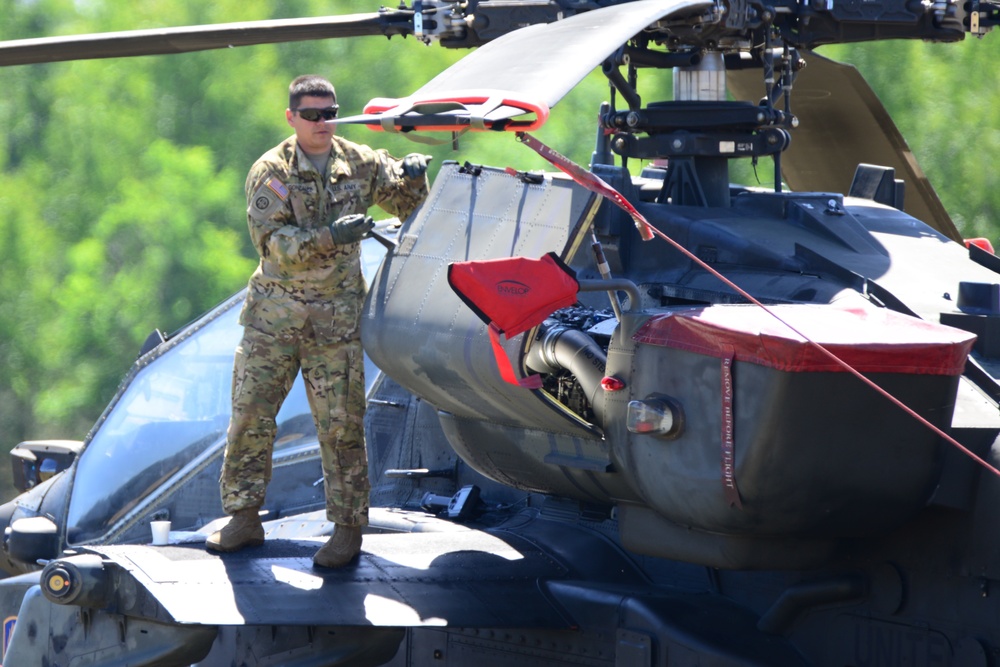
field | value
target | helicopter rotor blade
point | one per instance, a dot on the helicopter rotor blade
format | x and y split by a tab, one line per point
528	70
202	38
545	61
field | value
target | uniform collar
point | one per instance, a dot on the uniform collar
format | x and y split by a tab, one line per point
303	165
338	166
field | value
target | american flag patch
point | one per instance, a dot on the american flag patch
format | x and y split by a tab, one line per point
8	630
278	188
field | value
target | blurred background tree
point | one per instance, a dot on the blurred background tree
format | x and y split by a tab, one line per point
122	200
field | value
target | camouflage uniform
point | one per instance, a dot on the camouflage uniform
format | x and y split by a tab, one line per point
302	310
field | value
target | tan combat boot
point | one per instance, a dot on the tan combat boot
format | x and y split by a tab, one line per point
341	548
243	530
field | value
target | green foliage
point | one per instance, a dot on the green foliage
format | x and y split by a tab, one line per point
123	206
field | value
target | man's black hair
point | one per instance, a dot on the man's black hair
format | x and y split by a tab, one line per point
309	85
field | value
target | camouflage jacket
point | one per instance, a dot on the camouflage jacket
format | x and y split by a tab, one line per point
303	276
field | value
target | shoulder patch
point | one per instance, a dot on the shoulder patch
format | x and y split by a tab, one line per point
267	200
278	188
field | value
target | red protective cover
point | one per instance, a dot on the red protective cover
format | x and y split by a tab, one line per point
873	341
513	294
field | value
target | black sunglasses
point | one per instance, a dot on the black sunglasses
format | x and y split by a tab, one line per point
313	115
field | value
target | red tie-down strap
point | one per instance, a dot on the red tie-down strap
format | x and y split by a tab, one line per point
512	295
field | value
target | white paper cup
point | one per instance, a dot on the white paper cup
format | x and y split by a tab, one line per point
161	532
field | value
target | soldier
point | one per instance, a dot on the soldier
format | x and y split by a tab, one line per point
307	203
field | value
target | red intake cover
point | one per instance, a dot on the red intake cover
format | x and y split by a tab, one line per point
514	293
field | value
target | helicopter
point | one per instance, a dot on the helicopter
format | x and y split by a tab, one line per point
613	419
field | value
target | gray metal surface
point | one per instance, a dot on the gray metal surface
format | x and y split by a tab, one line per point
468	578
417	329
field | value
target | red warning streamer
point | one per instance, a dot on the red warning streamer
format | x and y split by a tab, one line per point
728	427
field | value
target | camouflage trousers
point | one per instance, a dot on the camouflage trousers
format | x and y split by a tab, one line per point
263	372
